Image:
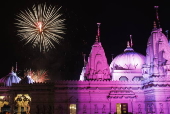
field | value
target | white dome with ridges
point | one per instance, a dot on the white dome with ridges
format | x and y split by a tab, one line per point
10	78
128	60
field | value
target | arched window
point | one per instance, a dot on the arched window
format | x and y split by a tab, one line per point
137	78
123	78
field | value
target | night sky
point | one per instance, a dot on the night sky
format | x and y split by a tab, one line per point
118	20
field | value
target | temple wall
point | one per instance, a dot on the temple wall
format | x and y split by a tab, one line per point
98	96
93	96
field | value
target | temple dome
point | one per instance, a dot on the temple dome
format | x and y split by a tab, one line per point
10	78
27	80
128	60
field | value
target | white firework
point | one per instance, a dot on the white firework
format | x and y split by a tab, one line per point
41	26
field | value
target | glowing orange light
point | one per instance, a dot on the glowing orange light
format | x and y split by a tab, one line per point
38	75
39	25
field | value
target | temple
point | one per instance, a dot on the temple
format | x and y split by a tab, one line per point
131	84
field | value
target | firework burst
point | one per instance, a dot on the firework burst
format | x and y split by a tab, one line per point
42	26
38	75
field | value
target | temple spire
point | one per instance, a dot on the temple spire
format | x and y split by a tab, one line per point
98	33
157	16
131	43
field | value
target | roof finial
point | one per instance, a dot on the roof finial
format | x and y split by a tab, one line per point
154	25
131	43
97	40
157	16
16	67
167	33
12	69
29	72
84	55
112	56
128	44
98	31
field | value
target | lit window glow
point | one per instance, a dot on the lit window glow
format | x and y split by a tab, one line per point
72	108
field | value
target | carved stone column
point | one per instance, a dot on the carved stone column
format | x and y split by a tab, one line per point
22	100
19	104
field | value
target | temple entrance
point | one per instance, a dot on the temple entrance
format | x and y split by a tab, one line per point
72	108
22	110
22	104
5	109
121	108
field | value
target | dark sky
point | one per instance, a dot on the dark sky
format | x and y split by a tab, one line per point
118	20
